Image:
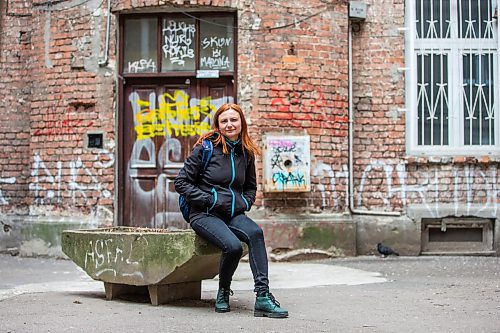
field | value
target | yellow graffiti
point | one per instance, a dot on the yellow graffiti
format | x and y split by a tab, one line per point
174	117
147	131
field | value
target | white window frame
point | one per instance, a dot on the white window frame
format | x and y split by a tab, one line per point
456	109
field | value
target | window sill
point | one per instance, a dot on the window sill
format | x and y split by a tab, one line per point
459	159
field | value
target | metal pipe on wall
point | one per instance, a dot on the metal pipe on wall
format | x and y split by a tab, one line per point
104	61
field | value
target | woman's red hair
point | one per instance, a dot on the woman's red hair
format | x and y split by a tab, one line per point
246	141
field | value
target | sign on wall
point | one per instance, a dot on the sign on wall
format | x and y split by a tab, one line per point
287	163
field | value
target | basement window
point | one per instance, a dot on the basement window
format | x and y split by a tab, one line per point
457	236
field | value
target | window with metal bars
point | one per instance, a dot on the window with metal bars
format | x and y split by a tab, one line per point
452	82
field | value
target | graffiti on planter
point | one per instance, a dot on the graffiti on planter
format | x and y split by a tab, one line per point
286	163
103	255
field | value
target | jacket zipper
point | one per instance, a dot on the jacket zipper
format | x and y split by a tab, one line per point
233	199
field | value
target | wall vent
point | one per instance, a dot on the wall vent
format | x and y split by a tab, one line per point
457	236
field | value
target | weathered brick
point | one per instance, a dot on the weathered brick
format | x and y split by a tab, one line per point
52	105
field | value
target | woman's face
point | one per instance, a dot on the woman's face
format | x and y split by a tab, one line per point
230	124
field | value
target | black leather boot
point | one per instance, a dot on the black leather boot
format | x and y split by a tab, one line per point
222	301
267	306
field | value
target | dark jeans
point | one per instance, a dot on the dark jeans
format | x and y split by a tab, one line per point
228	238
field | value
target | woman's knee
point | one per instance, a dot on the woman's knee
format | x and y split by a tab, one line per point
234	248
256	233
247	226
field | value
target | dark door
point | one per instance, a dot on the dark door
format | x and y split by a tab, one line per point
161	123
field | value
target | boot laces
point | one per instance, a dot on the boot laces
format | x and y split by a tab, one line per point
271	296
225	293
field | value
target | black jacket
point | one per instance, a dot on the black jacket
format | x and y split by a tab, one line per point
225	189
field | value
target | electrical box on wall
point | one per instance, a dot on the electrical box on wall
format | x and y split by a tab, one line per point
357	10
95	140
287	163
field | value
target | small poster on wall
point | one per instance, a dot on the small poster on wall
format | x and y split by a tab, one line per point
287	163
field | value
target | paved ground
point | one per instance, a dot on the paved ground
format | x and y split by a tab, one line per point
362	294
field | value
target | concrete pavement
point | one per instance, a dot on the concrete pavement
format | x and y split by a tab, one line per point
361	294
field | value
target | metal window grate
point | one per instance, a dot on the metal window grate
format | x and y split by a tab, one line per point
454	83
457	236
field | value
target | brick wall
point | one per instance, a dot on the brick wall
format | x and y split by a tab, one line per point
73	96
385	177
378	98
56	93
15	94
292	76
299	83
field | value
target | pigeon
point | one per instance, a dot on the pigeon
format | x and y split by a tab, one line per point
385	250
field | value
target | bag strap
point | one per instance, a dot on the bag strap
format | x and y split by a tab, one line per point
208	148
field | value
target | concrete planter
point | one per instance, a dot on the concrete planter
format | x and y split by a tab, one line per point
170	264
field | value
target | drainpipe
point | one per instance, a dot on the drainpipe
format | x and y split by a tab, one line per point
104	61
350	155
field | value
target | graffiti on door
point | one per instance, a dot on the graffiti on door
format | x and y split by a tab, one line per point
176	115
178	39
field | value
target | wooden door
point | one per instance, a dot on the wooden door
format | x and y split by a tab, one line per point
161	123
